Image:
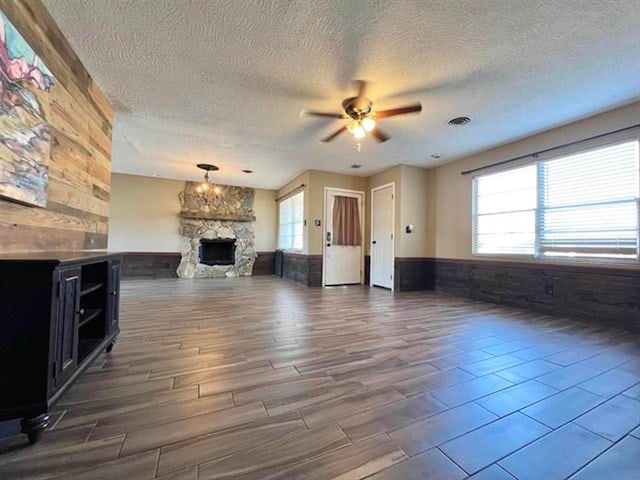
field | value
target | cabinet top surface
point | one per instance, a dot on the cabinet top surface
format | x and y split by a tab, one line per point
58	257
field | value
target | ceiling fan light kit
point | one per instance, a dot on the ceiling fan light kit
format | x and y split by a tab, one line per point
362	117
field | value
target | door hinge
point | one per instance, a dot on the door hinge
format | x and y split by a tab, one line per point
392	196
392	236
59	292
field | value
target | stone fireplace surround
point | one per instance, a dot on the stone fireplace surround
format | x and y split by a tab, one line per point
225	215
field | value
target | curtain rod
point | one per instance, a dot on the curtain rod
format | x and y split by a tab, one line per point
302	185
540	152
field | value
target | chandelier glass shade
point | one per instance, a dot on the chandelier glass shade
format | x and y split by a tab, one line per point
359	128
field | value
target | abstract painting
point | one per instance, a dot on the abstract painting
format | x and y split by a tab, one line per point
25	134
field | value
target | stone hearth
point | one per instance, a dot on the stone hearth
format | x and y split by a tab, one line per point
226	215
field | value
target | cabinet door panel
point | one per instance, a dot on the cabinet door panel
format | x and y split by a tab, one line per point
114	294
67	324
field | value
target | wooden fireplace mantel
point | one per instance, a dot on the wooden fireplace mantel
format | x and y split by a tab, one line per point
216	216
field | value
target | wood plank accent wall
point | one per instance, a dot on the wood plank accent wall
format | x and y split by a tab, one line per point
600	294
77	213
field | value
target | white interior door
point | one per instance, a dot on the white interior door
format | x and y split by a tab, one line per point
342	264
382	213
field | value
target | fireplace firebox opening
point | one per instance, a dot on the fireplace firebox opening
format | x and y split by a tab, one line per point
218	251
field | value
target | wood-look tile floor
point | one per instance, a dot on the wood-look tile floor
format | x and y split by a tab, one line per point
258	378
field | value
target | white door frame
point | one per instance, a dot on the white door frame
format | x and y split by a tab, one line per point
393	223
324	230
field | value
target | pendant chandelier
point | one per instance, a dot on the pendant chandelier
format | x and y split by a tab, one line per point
203	188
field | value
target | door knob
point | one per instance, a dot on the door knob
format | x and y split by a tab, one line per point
374	242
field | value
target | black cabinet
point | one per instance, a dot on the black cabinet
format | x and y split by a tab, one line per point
57	313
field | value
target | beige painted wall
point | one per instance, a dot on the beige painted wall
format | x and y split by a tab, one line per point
412	206
391	175
145	215
451	224
266	224
415	201
315	181
318	180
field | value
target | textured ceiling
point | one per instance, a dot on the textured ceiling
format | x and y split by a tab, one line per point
224	81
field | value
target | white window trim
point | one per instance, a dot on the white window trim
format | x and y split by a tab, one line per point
561	152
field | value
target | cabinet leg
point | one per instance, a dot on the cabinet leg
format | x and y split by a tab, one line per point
34	426
110	346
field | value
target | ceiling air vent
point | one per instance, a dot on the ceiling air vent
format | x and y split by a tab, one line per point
459	121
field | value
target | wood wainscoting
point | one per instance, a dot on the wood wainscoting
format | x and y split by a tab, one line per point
150	264
165	264
592	292
265	263
413	273
602	293
303	269
77	212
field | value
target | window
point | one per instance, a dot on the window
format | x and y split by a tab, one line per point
583	205
505	212
290	236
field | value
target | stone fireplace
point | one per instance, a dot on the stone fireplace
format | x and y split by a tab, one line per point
217	231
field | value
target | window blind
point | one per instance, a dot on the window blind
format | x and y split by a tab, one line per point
504	212
291	225
589	203
583	205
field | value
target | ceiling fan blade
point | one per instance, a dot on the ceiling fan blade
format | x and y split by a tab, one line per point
392	112
310	113
334	134
380	135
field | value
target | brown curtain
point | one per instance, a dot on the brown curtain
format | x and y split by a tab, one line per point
346	222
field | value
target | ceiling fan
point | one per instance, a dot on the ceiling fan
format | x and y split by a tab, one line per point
362	117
